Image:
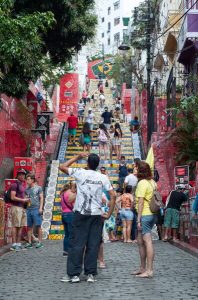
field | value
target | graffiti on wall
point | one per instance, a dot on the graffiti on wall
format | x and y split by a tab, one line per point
100	68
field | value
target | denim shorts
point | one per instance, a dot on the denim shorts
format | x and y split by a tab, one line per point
126	214
33	217
147	223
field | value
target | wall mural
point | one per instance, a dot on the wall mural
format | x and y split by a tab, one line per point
100	67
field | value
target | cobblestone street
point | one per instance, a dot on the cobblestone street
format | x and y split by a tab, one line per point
35	274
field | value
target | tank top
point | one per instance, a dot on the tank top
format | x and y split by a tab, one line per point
126	201
65	204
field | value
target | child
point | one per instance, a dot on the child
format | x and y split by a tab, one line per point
127	203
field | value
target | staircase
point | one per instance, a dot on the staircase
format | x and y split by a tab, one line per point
56	231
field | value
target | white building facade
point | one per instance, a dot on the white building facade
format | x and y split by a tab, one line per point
111	17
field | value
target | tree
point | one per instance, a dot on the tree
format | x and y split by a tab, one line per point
141	22
75	25
20	50
37	31
185	135
123	68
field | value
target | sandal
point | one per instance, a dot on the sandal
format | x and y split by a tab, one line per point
102	265
145	275
137	272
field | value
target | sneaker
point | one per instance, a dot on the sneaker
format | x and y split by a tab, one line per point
65	253
66	278
15	248
39	245
91	278
28	246
75	279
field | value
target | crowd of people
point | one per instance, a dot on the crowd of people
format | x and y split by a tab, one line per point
92	212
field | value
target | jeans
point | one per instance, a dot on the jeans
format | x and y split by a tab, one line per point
121	182
67	219
87	234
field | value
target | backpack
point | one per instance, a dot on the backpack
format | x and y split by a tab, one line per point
81	139
7	194
102	136
156	201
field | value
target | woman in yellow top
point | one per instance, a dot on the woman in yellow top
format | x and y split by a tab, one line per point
145	219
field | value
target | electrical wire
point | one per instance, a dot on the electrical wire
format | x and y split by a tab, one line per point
177	20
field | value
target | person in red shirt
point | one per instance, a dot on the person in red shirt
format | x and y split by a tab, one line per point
72	125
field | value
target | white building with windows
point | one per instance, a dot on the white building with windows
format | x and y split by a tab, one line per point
111	27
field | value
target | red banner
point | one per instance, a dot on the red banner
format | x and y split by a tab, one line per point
69	96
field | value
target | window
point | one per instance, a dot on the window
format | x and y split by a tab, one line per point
109	27
125	31
108	41
117	37
116	5
116	21
109	10
103	20
102	34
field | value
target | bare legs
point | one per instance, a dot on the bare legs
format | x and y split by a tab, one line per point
127	231
16	234
112	149
103	147
86	148
146	251
167	233
118	151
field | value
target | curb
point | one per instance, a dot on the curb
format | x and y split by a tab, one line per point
186	247
4	250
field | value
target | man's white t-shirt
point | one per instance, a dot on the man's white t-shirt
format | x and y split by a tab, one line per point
90	186
131	180
90	118
80	106
102	97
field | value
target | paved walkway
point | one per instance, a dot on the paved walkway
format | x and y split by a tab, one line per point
35	274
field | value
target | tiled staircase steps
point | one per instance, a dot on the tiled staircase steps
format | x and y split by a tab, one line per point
56	230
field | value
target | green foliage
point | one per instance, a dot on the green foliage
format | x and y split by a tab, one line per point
38	36
186	133
123	68
75	25
20	50
140	23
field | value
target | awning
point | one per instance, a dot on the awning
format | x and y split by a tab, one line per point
170	47
159	62
188	52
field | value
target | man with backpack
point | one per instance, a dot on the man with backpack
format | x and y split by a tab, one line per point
18	201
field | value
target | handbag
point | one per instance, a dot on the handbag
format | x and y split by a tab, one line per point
81	139
156	201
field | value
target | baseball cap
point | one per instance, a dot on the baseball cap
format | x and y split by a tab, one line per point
181	186
90	109
21	171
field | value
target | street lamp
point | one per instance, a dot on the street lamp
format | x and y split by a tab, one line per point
124	47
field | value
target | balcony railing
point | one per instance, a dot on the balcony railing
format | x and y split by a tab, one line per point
189	3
